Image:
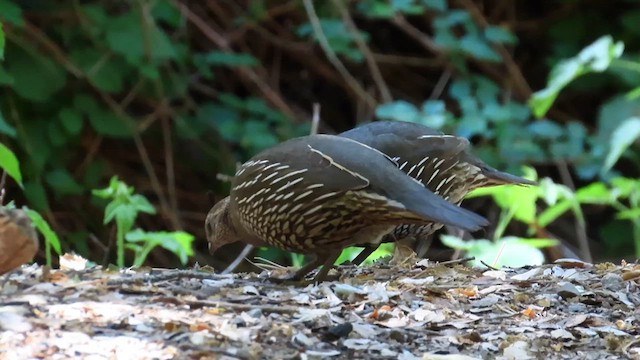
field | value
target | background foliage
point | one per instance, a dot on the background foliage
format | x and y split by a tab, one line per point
167	94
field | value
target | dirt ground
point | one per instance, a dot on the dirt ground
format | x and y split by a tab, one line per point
567	310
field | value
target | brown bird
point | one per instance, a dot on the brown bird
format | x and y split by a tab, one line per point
448	168
18	239
319	194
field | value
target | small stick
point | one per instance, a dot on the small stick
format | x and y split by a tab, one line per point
243	254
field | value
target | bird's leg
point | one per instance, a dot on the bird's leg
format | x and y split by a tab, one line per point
300	273
422	245
364	254
329	260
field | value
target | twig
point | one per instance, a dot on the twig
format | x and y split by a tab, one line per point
3	180
315	119
418	35
580	226
166	275
243	254
368	55
333	58
457	261
524	90
243	307
440	85
170	167
245	72
488	266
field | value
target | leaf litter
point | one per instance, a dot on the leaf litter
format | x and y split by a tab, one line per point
566	310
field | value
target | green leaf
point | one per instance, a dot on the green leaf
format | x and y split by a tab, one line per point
621	138
10	12
106	123
36	76
71	119
6	128
141	204
43	226
631	214
500	35
457	243
179	242
103	69
595	193
129	36
63	183
509	251
397	110
553	212
439	5
594	58
546	129
36	195
56	133
5	77
475	46
9	163
231	59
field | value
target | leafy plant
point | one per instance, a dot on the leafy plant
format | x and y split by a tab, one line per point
51	239
515	202
123	208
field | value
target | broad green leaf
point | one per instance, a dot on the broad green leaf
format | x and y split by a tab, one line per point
36	77
6	128
141	204
104	70
595	193
56	133
509	251
477	47
398	110
552	213
455	242
43	226
179	243
439	5
71	119
63	183
547	129
631	214
129	36
500	35
594	58
5	77
107	123
10	12
9	163
633	94
36	195
624	187
434	114
621	138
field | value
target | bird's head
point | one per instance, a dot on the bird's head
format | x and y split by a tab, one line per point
219	226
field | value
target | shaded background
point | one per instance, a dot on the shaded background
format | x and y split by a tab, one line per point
168	94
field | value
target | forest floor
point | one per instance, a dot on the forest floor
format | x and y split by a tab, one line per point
567	310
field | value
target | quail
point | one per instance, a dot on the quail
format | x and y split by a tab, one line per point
443	163
321	193
18	239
